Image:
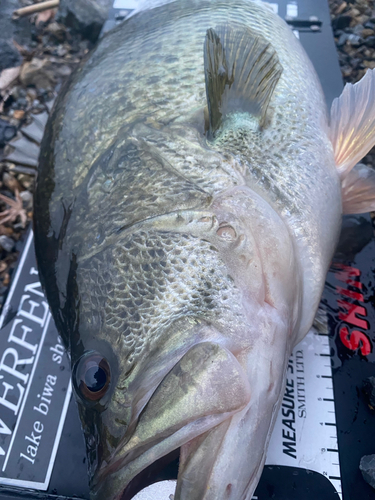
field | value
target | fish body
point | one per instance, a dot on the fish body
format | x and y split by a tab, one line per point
183	234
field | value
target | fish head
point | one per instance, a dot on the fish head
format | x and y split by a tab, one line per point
184	328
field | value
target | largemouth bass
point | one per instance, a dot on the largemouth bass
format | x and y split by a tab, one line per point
188	204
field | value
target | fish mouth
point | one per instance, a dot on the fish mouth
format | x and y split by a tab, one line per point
165	468
197	419
189	402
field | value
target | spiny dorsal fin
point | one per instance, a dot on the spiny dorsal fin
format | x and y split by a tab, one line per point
241	72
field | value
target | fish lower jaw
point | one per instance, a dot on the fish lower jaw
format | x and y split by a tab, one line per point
217	426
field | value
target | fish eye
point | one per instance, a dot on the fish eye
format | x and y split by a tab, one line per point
92	376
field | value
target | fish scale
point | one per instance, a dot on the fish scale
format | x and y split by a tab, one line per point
140	282
132	178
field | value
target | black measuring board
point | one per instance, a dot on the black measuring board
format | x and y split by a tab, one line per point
349	299
352	356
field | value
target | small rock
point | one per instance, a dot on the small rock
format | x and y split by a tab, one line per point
37	72
357	30
27	199
362	19
370	42
343	39
39	108
355	40
8	231
11	182
341	8
84	45
7	132
57	30
341	22
369	64
343	58
355	62
84	16
42	93
22	103
346	71
360	73
26	180
21	93
367	467
6	243
367	32
64	70
353	13
31	93
61	51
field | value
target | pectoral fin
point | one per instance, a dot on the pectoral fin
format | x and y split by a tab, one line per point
241	72
352	128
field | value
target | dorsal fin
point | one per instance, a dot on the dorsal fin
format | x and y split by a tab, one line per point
241	72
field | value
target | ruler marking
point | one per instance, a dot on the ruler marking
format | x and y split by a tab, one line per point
330	423
326	376
328	399
335	478
333	450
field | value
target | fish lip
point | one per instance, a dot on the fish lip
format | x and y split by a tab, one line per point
101	476
163	468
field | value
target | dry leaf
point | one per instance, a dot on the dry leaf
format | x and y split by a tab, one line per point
24	51
45	16
7	76
37	72
16	210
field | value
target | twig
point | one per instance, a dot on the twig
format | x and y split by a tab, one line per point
36	7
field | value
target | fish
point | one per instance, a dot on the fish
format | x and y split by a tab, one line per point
189	200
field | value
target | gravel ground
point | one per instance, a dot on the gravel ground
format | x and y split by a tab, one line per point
353	23
49	52
50	55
